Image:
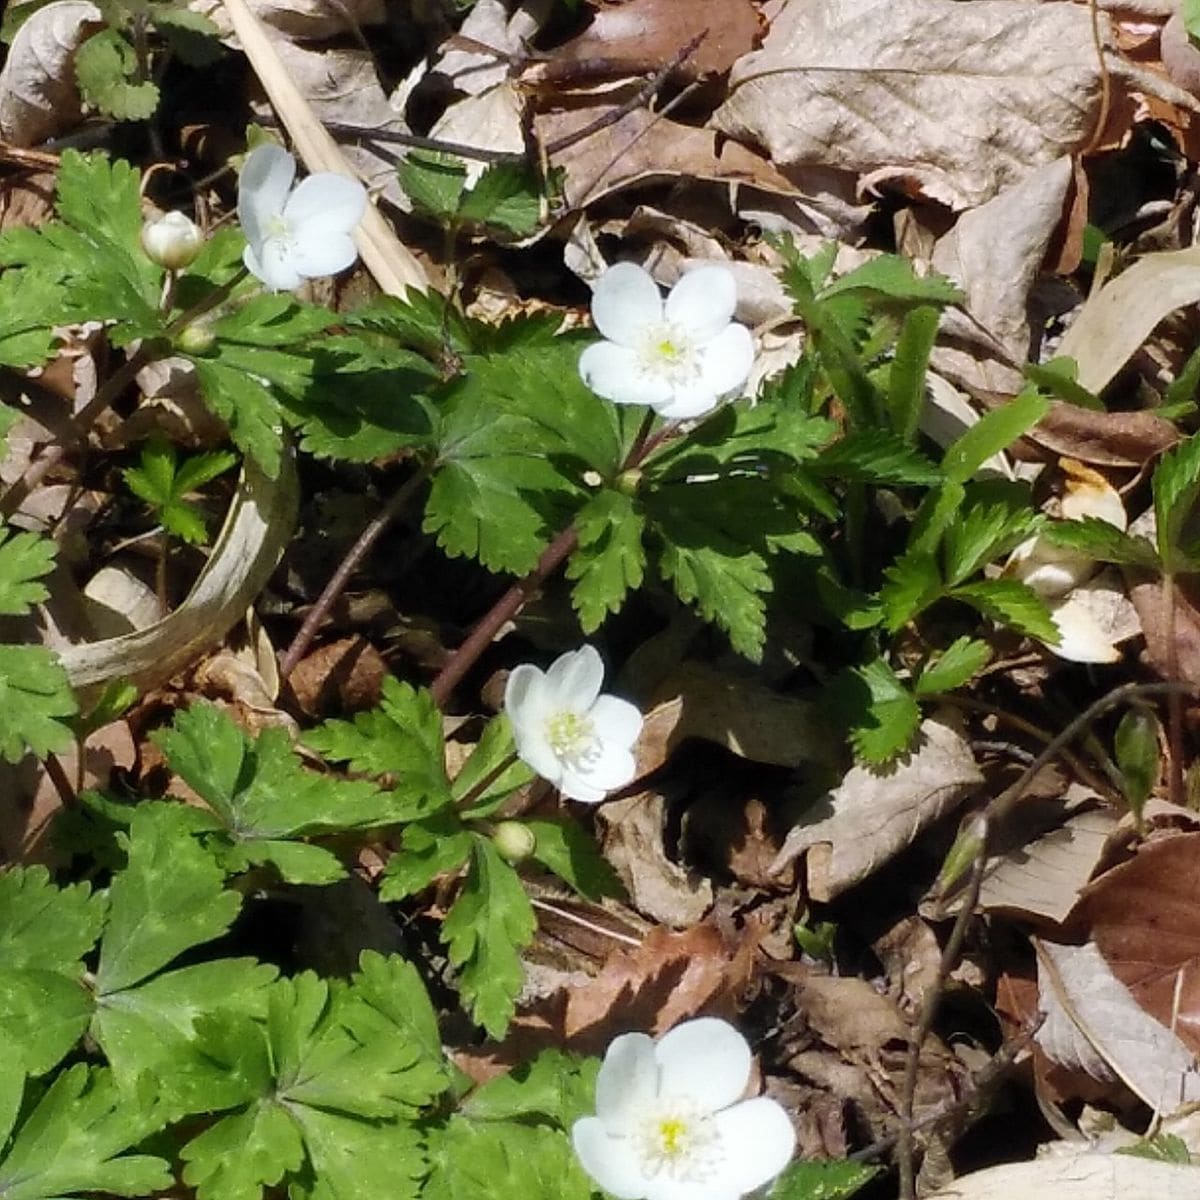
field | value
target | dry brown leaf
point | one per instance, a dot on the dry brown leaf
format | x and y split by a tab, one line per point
1094	1024
965	101
1179	655
310	20
653	32
1144	917
994	253
1078	1175
38	95
875	814
1105	439
345	676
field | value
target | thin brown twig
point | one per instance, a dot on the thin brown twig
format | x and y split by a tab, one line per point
991	816
1105	81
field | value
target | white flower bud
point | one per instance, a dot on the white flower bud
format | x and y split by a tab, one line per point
514	841
172	240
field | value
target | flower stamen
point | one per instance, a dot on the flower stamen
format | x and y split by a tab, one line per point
572	737
680	1141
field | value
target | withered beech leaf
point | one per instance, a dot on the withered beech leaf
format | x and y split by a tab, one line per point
1144	917
1077	1175
964	100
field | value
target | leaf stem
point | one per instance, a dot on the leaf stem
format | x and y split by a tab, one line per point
346	568
1174	699
486	782
112	387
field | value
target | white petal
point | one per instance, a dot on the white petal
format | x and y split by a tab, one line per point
702	302
327	255
578	787
263	191
615	373
614	768
706	1060
535	751
617	722
326	203
610	1161
574	680
273	265
1081	637
624	301
760	1142
726	361
628	1080
524	694
687	403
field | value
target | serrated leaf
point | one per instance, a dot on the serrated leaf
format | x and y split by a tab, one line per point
485	930
874	456
31	304
536	1162
169	897
555	1084
351	1158
1100	540
192	37
428	849
45	926
993	432
894	277
482	778
906	378
106	67
826	1179
1176	484
507	195
984	531
1011	603
75	1142
24	559
434	183
42	1015
566	848
883	714
260	792
35	700
911	584
955	666
610	559
249	407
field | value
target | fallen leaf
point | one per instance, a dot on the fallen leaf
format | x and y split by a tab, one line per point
1105	439
1094	1024
1144	917
875	814
345	676
964	101
1178	654
308	20
38	94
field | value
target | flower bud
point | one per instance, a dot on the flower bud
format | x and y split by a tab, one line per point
195	339
629	481
172	240
514	841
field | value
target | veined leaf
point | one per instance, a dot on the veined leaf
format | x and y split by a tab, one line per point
993	432
1011	603
957	665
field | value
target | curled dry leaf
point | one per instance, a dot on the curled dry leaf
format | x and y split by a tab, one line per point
964	101
873	815
1180	656
310	20
1078	1175
38	96
473	71
1104	439
1144	917
1094	1024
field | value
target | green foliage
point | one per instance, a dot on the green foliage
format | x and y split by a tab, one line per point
610	560
109	76
1162	1147
1176	484
506	196
30	304
881	713
1011	603
826	1179
24	559
263	802
1138	758
956	666
993	432
565	847
35	700
1101	541
555	1086
165	485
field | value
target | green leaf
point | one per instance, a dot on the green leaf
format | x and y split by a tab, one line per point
1137	746
169	897
882	712
35	699
30	306
490	922
434	183
1162	1147
535	1163
402	738
192	37
394	987
911	584
568	850
875	456
993	432
985	530
45	926
957	665
106	67
1100	541
261	793
1176	484
1059	377
610	560
163	484
428	848
483	770
75	1142
556	1085
1191	18
24	559
507	195
906	380
42	1015
826	1179
894	277
1011	603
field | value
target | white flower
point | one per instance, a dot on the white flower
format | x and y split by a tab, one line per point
299	234
670	1122
679	357
577	739
172	240
1058	574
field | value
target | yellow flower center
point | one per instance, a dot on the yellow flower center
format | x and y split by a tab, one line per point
667	351
679	1140
572	736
